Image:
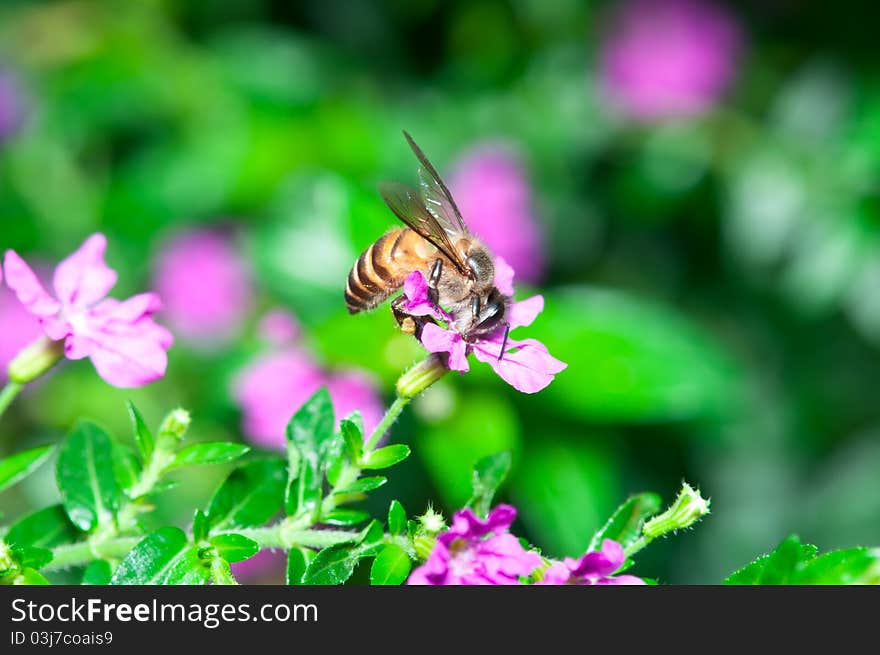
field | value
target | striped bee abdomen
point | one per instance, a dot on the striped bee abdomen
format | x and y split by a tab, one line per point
382	268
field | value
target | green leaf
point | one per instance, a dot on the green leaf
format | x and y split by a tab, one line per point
297	562
189	569
30	556
308	432
97	573
221	572
31	577
795	563
200	526
44	528
86	477
334	458
126	466
354	438
234	547
396	518
19	466
250	496
162	557
385	457
332	566
216	452
489	473
363	485
625	525
142	435
391	566
345	517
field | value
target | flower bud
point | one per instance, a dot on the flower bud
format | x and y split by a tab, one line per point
432	522
36	359
421	376
423	546
688	508
173	429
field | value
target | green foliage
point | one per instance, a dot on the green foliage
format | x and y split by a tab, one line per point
386	457
208	453
390	567
20	465
163	557
234	547
250	496
44	528
489	473
625	525
396	518
142	435
86	477
795	563
98	572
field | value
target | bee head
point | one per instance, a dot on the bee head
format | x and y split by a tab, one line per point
482	268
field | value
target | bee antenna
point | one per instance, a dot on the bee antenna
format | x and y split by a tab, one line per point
504	343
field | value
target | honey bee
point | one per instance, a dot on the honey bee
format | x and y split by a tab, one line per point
459	268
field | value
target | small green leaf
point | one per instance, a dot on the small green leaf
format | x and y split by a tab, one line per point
162	557
396	518
126	466
189	569
625	525
19	466
44	528
234	547
221	572
308	491
216	452
86	477
297	562
385	457
354	439
489	473
363	485
250	496
200	526
776	567
30	556
97	573
142	435
30	577
372	534
345	517
391	566
332	566
312	426
334	459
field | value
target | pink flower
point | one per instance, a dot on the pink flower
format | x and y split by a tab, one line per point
204	284
266	567
477	551
493	193
271	388
669	58
278	328
526	365
19	328
595	568
127	348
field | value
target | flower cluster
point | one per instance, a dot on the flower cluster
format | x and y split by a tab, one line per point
127	348
477	551
526	364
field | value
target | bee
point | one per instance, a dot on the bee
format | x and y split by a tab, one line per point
459	268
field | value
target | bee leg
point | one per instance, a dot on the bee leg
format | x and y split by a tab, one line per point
408	323
504	343
434	281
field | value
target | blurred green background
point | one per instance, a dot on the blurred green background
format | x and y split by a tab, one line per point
712	276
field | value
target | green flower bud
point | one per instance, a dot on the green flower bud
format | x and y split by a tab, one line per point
173	429
421	376
432	522
688	508
35	360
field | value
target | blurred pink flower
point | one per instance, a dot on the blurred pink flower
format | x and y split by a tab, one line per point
266	567
668	58
526	365
19	327
204	285
273	386
278	328
493	193
11	105
127	348
594	568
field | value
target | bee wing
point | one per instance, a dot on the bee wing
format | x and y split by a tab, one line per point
437	198
409	206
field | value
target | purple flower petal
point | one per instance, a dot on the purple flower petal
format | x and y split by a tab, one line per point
83	278
23	281
467	525
438	340
529	369
524	312
503	276
557	574
415	288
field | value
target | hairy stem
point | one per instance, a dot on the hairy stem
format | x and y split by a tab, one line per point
390	416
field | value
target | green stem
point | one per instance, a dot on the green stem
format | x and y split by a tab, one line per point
84	552
8	394
636	546
390	416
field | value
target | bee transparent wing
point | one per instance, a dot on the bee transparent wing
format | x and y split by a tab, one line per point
438	199
409	206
